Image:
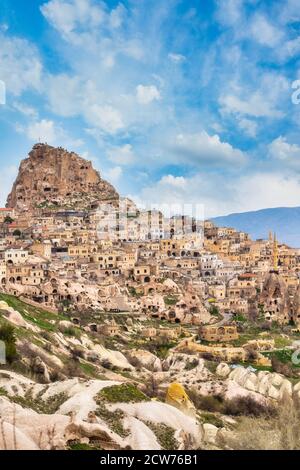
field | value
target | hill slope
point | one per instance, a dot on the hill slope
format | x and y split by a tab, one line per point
285	221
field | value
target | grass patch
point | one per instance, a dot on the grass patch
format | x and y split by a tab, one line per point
49	406
171	300
91	371
124	393
3	392
35	315
211	418
134	293
240	318
79	446
164	434
190	365
114	419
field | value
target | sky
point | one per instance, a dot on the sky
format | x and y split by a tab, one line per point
193	101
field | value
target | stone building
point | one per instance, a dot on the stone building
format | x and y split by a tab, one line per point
109	329
218	333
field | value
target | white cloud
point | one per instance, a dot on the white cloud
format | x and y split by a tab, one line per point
289	49
217	127
7	177
106	118
229	12
47	131
65	94
90	25
20	65
147	94
174	181
248	126
42	131
289	12
221	197
114	174
255	105
177	58
264	32
282	151
70	16
25	109
265	190
4	27
117	15
133	49
123	155
71	96
202	148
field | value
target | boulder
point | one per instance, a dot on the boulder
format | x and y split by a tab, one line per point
146	359
177	396
223	370
210	433
40	368
65	325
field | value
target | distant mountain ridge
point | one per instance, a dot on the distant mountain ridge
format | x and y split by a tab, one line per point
285	221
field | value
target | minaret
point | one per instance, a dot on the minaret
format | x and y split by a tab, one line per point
270	237
275	254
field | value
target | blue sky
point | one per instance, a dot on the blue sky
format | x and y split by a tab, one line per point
187	101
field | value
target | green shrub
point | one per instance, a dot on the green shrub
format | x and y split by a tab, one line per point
211	418
171	300
239	406
191	364
206	402
164	434
7	334
214	311
114	419
80	446
124	393
48	406
247	406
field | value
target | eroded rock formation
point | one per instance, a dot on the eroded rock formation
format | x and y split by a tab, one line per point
275	298
55	177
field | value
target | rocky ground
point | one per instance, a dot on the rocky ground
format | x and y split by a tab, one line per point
65	388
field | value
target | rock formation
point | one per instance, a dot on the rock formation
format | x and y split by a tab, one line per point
55	177
275	298
77	418
296	307
177	396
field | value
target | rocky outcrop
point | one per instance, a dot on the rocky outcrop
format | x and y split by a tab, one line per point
144	359
177	397
270	385
275	298
55	177
296	307
14	317
223	370
61	414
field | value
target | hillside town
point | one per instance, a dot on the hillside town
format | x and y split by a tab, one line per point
142	288
109	256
